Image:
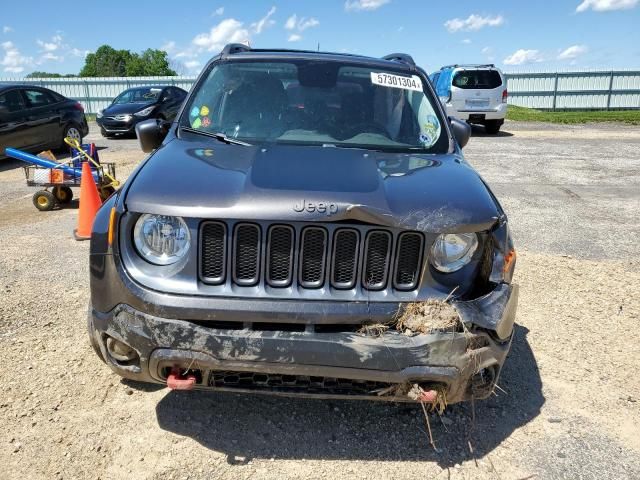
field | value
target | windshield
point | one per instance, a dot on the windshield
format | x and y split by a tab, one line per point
138	95
316	103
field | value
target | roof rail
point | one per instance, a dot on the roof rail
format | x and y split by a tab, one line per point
400	57
232	48
469	65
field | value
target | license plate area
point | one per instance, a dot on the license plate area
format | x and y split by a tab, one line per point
476	117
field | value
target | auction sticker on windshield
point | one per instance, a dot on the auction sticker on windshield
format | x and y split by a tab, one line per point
397	81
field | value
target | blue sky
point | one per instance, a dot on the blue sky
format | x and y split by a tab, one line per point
514	34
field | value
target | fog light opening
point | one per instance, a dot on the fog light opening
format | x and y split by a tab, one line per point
483	382
121	352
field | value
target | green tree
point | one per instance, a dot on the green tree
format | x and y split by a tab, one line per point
38	74
109	62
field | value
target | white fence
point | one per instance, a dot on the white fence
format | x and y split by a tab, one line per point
597	90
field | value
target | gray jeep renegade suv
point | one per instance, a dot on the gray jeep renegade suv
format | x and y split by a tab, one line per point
283	227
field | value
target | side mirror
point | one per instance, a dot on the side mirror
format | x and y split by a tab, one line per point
461	131
151	133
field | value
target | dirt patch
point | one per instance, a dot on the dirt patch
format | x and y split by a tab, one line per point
427	317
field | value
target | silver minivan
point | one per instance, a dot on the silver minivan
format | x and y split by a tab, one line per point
475	93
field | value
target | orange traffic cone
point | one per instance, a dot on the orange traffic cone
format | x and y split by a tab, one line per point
89	204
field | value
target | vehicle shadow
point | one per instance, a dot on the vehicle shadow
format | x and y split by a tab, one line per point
479	131
248	427
7	164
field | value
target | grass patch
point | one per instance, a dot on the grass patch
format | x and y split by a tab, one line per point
522	114
91	117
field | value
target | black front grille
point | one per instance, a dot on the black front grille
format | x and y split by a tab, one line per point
280	256
308	256
376	262
408	260
213	240
294	383
345	258
246	254
312	257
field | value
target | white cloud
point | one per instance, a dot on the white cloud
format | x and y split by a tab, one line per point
192	64
7	29
13	61
294	37
359	5
229	30
466	41
606	5
76	52
486	50
169	47
264	22
473	22
522	56
572	52
50	56
290	24
293	23
217	12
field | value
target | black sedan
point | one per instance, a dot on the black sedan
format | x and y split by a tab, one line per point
137	104
36	118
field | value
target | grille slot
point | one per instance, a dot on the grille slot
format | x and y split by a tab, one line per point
376	263
294	383
213	241
280	256
408	260
313	248
246	254
345	258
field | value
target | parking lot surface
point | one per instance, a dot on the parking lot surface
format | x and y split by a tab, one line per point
569	402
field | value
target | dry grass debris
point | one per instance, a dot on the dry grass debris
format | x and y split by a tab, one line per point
427	317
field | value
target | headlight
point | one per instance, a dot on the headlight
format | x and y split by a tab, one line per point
99	114
161	239
145	111
452	251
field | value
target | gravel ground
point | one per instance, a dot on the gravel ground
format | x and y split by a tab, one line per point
571	401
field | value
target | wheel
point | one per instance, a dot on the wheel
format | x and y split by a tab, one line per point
492	126
63	194
72	131
44	200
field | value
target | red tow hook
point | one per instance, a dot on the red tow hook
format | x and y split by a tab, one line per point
428	396
177	381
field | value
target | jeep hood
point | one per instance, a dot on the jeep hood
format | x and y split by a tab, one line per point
204	179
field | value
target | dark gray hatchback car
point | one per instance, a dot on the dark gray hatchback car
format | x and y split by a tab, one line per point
307	226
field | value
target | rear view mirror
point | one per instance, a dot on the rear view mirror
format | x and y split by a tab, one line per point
461	131
151	133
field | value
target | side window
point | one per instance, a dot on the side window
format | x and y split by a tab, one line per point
12	101
37	98
167	95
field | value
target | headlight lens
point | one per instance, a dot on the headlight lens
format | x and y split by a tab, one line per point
160	239
452	251
99	114
145	111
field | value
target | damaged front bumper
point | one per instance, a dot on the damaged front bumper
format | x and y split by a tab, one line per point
319	358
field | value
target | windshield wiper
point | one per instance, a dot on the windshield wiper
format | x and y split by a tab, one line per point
221	137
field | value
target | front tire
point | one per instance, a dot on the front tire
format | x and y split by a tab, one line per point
44	200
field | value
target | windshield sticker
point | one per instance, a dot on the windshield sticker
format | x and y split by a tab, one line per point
429	131
196	123
206	122
195	111
397	81
204	111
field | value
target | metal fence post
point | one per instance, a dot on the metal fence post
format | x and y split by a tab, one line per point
87	97
610	90
555	91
